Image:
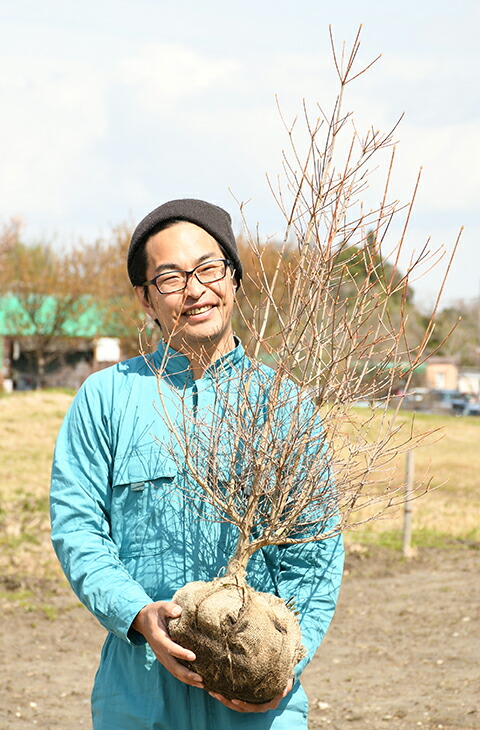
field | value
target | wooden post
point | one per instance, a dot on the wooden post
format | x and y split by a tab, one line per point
407	513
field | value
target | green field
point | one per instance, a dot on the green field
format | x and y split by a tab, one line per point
29	422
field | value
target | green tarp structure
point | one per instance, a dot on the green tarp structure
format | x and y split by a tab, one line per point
84	319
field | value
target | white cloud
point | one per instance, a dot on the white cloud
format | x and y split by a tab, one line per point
162	75
103	116
450	159
61	114
51	114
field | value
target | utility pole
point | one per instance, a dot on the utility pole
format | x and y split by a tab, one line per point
407	514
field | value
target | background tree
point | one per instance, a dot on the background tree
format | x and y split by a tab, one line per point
457	333
54	298
9	237
44	301
254	296
108	283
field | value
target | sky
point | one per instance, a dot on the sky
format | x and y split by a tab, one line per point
111	107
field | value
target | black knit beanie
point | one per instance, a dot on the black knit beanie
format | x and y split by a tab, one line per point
211	218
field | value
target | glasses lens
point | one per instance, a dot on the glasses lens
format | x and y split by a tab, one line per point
213	271
173	281
170	282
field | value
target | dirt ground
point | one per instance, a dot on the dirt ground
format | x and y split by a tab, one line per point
403	651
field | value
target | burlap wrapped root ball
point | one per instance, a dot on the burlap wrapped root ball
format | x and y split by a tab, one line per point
246	643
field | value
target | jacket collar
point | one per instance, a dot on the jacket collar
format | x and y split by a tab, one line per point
172	363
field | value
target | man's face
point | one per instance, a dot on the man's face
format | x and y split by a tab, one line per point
201	315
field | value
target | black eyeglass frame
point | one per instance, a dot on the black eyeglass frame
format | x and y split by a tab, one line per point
187	274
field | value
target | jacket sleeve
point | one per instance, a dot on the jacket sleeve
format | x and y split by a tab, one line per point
80	500
311	575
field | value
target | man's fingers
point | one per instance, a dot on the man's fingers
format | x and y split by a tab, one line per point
162	643
171	651
186	675
152	622
240	706
172	610
179	651
179	671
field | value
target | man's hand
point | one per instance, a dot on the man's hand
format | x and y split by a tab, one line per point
240	706
151	623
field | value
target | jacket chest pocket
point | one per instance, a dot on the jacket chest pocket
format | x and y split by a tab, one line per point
146	504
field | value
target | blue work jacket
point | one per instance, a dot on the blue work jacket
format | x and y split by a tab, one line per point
127	533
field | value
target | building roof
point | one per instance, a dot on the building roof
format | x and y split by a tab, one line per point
40	314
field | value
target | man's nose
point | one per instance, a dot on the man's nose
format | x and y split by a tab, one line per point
194	287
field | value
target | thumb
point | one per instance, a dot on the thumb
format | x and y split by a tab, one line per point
172	610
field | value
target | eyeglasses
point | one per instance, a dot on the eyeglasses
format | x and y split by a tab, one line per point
169	282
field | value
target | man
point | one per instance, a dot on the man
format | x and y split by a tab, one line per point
126	538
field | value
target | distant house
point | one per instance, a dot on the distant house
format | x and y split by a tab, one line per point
442	373
469	381
89	343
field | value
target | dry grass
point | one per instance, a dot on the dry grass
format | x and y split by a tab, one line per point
29	423
28	426
450	463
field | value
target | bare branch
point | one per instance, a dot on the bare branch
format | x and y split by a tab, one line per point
281	453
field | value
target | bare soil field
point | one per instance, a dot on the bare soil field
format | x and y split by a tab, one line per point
403	651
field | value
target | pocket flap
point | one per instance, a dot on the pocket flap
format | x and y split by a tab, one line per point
141	465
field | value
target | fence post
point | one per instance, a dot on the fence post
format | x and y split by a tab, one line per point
407	512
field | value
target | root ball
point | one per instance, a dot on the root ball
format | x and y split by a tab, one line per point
246	643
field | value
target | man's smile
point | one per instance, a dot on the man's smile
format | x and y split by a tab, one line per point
197	310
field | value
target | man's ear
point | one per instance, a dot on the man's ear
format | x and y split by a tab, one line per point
144	299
